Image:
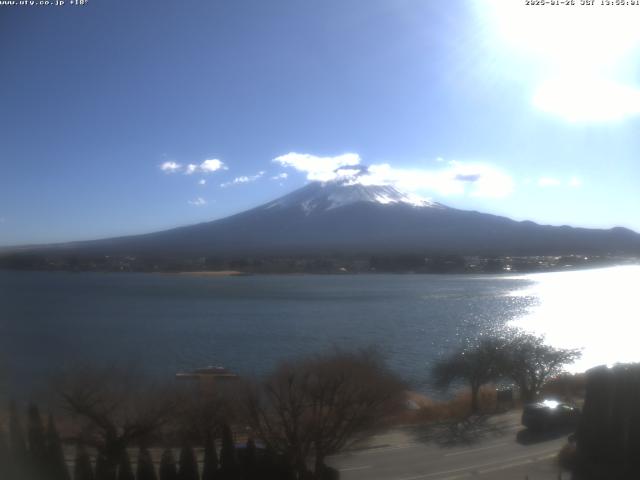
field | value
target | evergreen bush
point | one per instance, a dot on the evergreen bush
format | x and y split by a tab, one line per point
228	460
37	443
168	469
145	470
250	461
188	465
17	446
104	470
4	455
56	464
210	468
125	472
82	468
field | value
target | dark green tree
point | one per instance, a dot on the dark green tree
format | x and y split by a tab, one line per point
105	470
125	472
4	455
210	468
145	470
56	463
275	467
168	469
18	447
228	458
37	443
82	468
269	465
188	464
475	365
250	461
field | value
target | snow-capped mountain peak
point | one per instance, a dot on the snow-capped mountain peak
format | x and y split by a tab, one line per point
323	196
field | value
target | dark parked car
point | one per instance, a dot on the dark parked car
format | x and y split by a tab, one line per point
549	415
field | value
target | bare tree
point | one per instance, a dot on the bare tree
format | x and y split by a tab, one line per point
475	365
349	394
530	363
117	408
277	410
202	409
318	407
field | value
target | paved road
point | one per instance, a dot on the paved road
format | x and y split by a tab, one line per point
491	448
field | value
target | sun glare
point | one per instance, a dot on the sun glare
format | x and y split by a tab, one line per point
592	309
584	56
586	99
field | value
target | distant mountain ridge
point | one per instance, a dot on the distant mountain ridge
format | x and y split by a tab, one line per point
346	217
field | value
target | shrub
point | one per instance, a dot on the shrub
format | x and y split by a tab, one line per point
125	472
82	468
145	470
188	466
168	469
210	468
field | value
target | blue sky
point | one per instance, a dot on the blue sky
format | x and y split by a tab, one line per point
122	117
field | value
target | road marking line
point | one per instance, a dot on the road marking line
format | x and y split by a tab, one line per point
471	468
375	450
350	469
475	449
515	464
458	477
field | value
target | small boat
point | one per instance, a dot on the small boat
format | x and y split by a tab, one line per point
206	373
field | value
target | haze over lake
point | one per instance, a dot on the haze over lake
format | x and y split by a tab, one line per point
167	323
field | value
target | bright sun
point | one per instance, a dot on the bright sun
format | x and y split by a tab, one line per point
585	55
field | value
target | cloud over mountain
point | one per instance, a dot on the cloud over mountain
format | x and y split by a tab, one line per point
473	179
322	169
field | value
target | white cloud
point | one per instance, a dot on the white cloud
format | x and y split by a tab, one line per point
207	166
243	179
322	169
280	176
452	178
212	165
198	202
170	167
549	182
575	182
202	181
457	178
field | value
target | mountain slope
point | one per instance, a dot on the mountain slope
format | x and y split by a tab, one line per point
343	217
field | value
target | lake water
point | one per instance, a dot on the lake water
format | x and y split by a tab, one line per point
167	323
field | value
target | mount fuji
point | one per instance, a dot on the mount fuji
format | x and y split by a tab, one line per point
346	217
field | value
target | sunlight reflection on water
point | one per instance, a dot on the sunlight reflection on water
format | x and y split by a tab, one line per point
596	310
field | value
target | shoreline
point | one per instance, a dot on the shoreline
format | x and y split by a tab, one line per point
210	273
239	273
